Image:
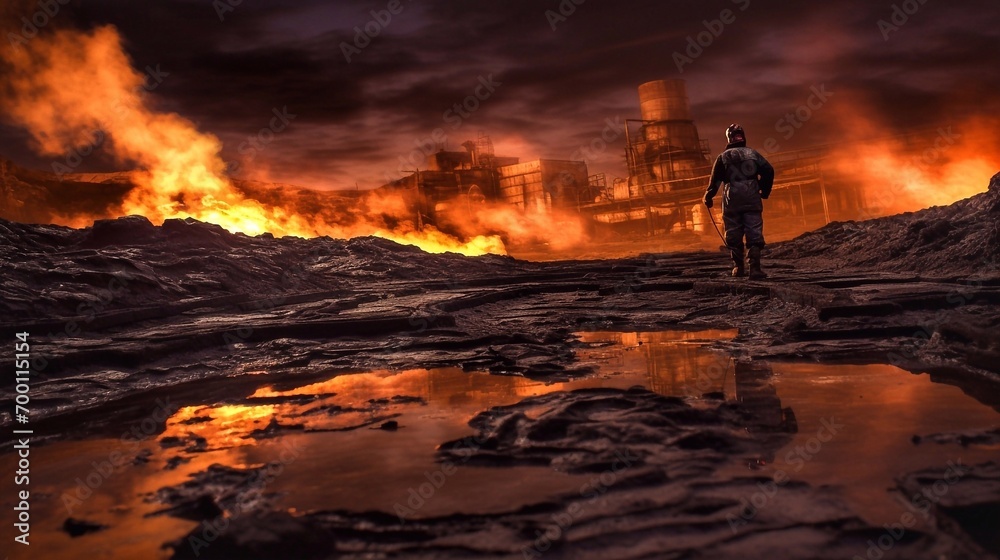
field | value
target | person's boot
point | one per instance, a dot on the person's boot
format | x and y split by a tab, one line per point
739	264
755	271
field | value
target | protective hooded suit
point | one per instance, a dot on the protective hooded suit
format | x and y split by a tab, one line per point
747	178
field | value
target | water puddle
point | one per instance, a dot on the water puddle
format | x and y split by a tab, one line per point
367	441
870	414
855	423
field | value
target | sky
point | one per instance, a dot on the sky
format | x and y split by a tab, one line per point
543	78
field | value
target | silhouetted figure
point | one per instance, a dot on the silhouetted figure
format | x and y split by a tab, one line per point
758	399
761	408
748	179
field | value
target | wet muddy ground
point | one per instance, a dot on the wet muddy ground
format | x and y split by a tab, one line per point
198	394
636	408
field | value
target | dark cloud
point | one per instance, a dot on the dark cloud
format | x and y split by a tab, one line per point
559	86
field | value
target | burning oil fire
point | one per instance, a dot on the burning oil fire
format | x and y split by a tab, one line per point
65	86
931	167
556	229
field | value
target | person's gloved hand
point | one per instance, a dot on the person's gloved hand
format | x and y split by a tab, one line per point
708	201
764	195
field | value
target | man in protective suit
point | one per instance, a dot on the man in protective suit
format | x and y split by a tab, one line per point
748	179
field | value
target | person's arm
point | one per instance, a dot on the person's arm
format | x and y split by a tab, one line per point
766	173
715	182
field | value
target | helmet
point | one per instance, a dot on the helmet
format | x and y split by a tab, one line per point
735	134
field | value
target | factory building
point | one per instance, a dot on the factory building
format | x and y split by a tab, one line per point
544	184
669	166
477	175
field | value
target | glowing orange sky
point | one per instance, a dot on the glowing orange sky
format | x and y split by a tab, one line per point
355	120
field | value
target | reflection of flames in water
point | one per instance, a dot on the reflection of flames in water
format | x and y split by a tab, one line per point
668	362
454	387
65	87
350	401
222	426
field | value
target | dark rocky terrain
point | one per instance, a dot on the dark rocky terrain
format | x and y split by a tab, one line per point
961	240
124	313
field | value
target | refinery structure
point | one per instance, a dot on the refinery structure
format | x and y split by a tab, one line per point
669	165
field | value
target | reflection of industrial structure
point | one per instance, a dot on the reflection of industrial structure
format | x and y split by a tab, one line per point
669	166
758	399
675	363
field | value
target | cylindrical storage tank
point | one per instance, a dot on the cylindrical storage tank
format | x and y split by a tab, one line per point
664	100
667	168
683	135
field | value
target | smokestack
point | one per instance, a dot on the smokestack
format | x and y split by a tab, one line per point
470	146
664	100
673	148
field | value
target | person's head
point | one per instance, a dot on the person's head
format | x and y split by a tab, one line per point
735	135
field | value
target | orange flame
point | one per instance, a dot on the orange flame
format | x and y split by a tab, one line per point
931	167
555	228
71	83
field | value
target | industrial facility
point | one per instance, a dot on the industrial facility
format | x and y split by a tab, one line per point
477	175
669	166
